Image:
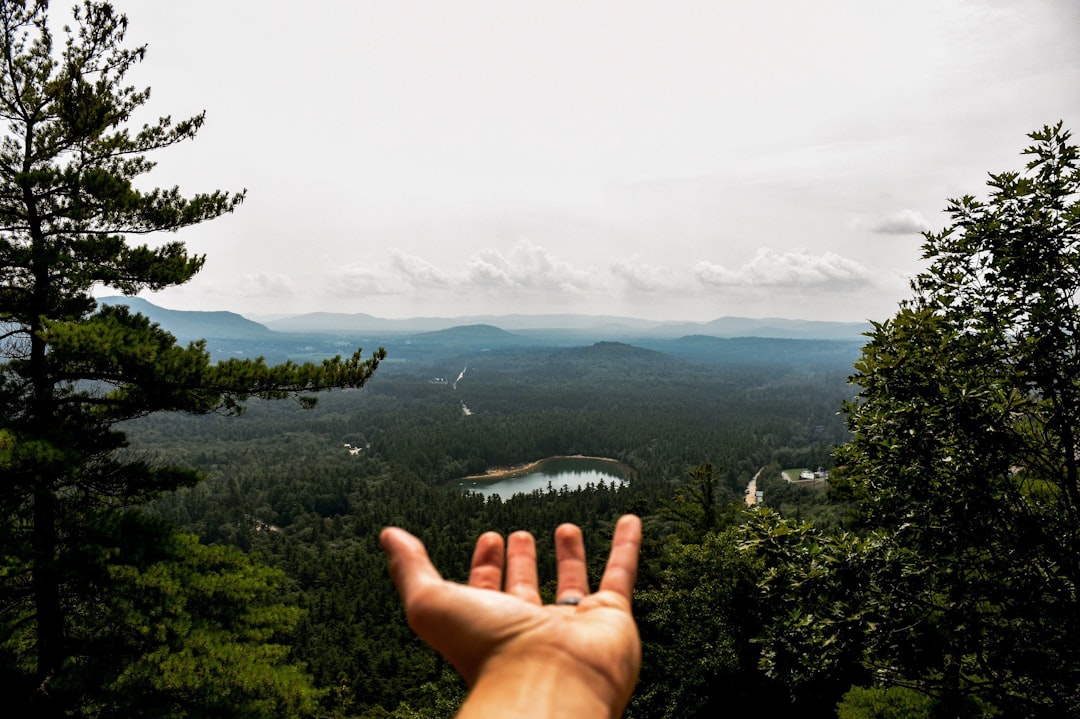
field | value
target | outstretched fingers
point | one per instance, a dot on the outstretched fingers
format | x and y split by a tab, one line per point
621	570
570	557
412	571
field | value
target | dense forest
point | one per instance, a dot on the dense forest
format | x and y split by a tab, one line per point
281	486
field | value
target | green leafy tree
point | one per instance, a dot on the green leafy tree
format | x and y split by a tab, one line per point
964	451
71	200
879	703
818	607
696	624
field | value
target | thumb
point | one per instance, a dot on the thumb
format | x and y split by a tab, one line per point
410	567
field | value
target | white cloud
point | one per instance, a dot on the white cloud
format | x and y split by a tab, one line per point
263	284
526	267
769	268
640	277
356	280
715	275
489	269
902	222
417	271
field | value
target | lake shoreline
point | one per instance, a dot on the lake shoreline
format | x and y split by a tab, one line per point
498	473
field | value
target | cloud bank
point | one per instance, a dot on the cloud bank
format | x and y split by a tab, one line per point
531	268
772	269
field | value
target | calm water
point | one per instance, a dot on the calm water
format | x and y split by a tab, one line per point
569	472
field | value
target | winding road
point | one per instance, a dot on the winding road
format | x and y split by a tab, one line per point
751	489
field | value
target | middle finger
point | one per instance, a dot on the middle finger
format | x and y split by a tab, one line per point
521	578
570	557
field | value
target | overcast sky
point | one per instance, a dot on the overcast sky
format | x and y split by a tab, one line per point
663	159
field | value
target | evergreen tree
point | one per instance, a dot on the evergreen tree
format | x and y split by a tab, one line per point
69	208
180	629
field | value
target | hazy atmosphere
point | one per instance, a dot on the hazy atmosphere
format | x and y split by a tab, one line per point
682	160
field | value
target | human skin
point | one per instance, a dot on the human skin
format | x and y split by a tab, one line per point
520	657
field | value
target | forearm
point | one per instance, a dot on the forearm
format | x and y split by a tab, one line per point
536	688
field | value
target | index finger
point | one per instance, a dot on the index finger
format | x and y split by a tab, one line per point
621	570
486	571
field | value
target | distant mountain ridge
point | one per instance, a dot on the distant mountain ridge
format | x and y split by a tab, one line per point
188	325
361	322
777	327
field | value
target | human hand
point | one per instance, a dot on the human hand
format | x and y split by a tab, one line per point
521	657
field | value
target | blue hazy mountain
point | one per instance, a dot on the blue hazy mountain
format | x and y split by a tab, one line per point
188	325
606	339
488	329
583	325
482	333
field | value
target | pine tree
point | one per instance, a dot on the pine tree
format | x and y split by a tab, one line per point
70	210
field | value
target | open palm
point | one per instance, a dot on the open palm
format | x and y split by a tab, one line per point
497	622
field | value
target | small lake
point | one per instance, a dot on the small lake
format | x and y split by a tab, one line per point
557	472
